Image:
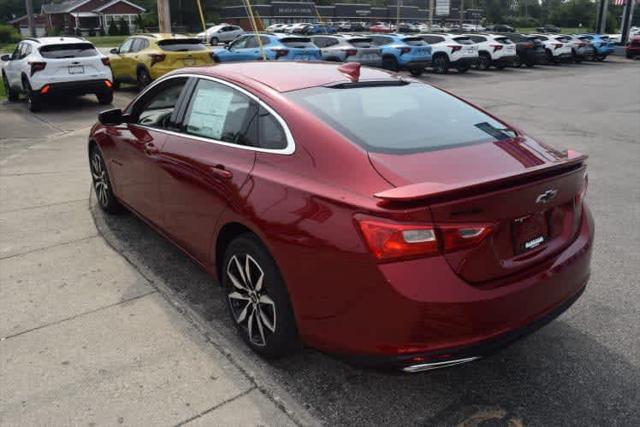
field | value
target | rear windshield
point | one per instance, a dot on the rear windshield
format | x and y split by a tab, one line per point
181	45
68	50
360	42
302	42
414	41
378	118
463	40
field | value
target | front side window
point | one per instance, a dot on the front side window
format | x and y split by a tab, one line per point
377	117
126	46
239	43
220	113
157	106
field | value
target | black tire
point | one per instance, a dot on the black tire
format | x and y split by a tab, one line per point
263	315
484	61
389	62
12	95
441	64
529	65
601	58
105	98
629	56
463	69
116	85
102	183
517	62
594	55
34	101
213	41
550	58
416	72
500	66
143	78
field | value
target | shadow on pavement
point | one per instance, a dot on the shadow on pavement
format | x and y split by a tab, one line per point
558	376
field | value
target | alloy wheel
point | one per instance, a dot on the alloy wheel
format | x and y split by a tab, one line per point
252	308
100	180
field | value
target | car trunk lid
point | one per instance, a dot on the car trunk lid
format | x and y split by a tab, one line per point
184	52
528	195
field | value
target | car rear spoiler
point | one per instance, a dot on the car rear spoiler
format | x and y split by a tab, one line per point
436	191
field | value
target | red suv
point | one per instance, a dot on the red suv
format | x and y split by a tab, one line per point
352	210
633	47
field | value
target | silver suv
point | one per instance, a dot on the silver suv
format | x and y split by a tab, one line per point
340	48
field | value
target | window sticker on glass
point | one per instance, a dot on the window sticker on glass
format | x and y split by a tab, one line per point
209	110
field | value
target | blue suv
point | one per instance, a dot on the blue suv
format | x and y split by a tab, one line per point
277	47
601	44
400	52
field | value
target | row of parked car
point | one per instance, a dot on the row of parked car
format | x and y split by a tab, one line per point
44	67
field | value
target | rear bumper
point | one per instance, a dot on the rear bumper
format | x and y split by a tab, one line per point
422	63
505	60
464	62
77	87
431	315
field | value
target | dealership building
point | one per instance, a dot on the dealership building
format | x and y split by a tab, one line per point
304	11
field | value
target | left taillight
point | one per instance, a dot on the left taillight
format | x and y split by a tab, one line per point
156	57
106	61
37	66
390	241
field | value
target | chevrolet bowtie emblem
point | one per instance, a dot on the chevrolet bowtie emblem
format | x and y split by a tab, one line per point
547	196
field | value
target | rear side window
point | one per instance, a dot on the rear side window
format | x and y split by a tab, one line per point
68	50
181	45
463	40
433	39
503	40
517	38
299	42
361	42
414	41
377	117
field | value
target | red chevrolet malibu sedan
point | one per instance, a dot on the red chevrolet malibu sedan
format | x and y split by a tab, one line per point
355	211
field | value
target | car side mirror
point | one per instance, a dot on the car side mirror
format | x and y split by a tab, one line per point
113	117
115	51
5	58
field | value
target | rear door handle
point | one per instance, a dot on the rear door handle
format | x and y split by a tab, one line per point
150	148
220	171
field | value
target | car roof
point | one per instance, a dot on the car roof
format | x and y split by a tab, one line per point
287	76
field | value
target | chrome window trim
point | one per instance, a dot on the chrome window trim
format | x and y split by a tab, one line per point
288	150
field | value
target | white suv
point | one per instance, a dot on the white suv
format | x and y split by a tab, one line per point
494	50
448	50
50	66
556	50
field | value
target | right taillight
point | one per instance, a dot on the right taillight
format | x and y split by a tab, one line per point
389	241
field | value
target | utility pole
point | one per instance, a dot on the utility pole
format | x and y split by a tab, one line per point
627	17
164	16
32	24
461	13
601	24
430	14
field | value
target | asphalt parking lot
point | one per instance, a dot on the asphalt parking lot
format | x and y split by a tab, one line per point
582	369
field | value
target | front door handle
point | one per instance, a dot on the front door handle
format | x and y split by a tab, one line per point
150	148
220	171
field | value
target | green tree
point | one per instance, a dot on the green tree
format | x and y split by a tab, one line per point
113	28
124	27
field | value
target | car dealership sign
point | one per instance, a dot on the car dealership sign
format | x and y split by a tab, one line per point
443	7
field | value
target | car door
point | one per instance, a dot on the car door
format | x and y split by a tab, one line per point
119	61
236	50
12	67
135	166
206	167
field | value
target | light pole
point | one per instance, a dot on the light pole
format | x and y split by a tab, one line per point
164	16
